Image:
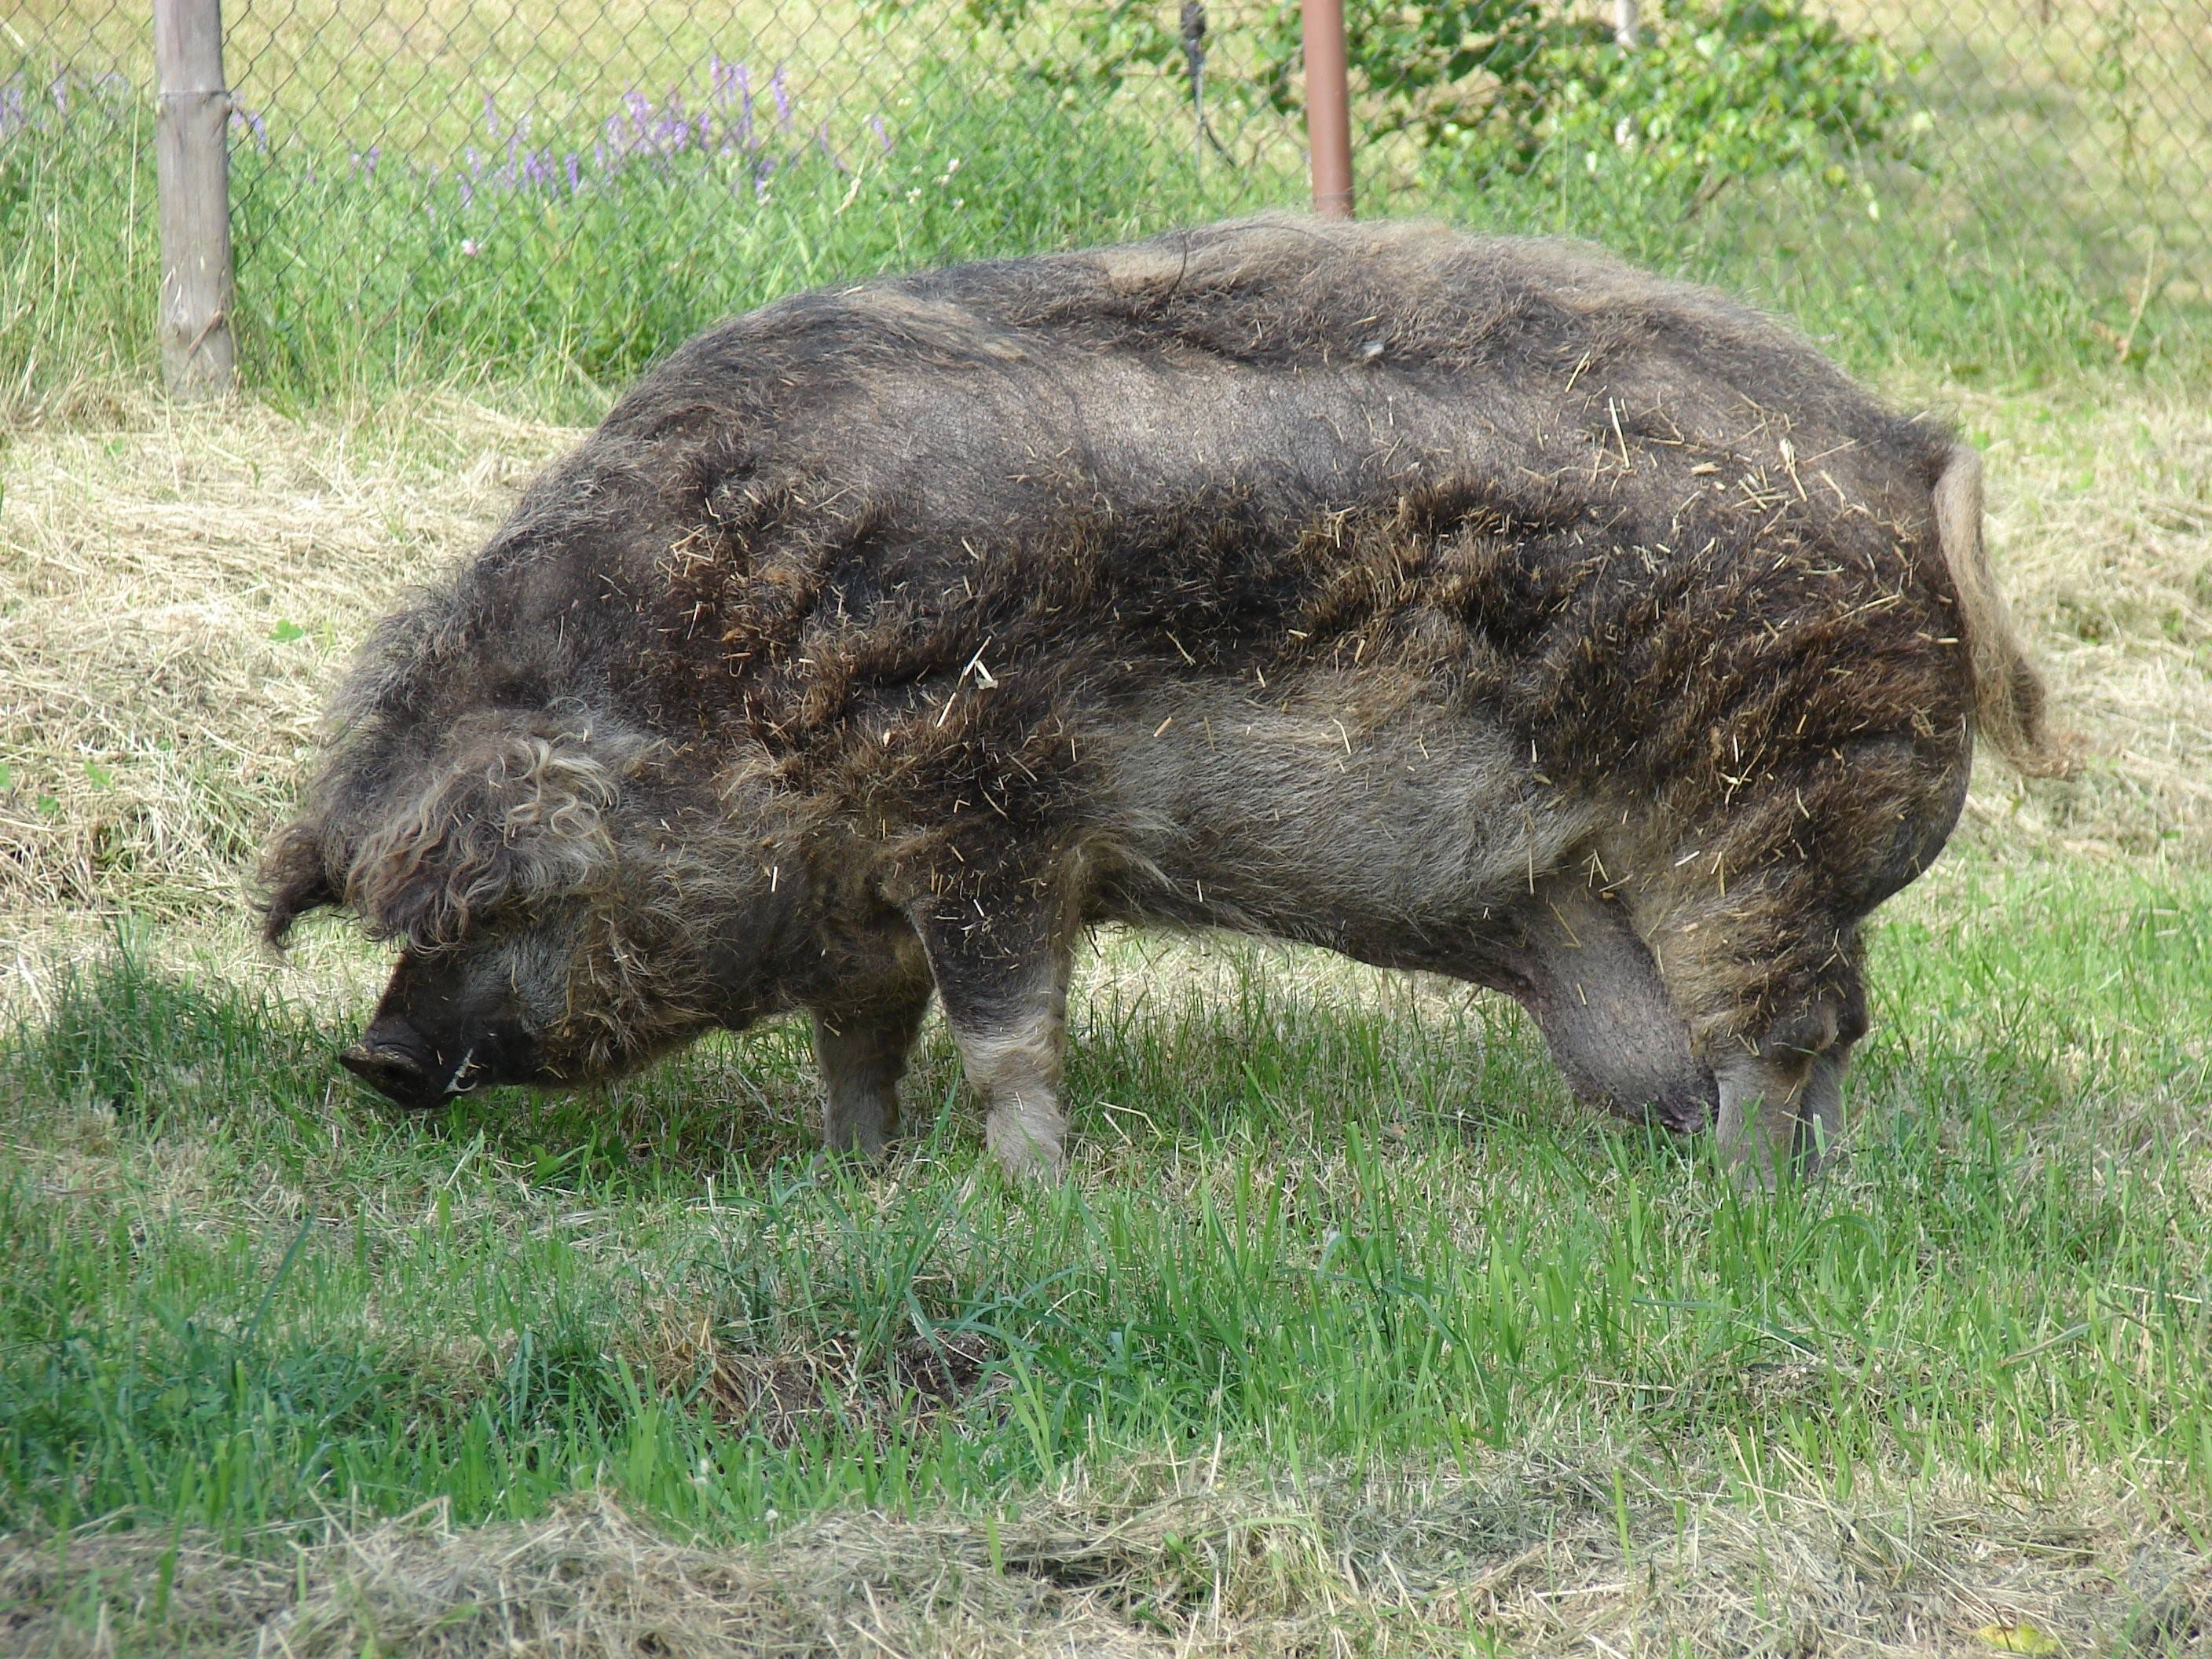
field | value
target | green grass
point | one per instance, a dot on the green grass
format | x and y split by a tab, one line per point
1311	1230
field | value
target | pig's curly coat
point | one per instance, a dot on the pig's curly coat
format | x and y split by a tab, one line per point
891	552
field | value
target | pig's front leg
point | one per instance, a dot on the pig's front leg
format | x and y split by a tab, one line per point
862	1054
1000	953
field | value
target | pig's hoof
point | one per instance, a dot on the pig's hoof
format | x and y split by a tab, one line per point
856	1154
1022	1157
1753	1177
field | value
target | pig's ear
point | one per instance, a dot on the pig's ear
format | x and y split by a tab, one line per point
295	877
506	814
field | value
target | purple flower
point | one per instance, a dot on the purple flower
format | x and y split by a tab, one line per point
783	98
821	138
883	136
468	192
246	120
575	176
491	119
745	107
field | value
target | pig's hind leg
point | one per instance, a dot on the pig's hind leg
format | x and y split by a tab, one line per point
1756	922
1775	1002
1782	1110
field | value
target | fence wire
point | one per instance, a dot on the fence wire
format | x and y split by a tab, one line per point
569	189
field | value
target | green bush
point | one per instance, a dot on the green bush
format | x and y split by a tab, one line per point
1737	90
1414	63
1739	87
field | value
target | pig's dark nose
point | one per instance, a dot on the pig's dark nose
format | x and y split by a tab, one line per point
391	1065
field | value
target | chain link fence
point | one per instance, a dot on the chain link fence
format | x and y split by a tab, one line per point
559	192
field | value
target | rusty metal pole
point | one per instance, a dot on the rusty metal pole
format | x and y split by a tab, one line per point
191	173
1328	108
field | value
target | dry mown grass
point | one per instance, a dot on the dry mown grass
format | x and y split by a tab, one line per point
2101	517
1527	1555
180	588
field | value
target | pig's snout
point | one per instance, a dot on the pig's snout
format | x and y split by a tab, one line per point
393	1059
417	1068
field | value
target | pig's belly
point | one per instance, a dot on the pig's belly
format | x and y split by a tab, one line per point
1405	841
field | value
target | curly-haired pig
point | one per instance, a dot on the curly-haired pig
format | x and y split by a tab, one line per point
1477	606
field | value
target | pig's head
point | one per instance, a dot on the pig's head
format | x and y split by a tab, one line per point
555	893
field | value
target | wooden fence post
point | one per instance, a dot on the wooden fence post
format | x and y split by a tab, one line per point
1328	108
191	171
